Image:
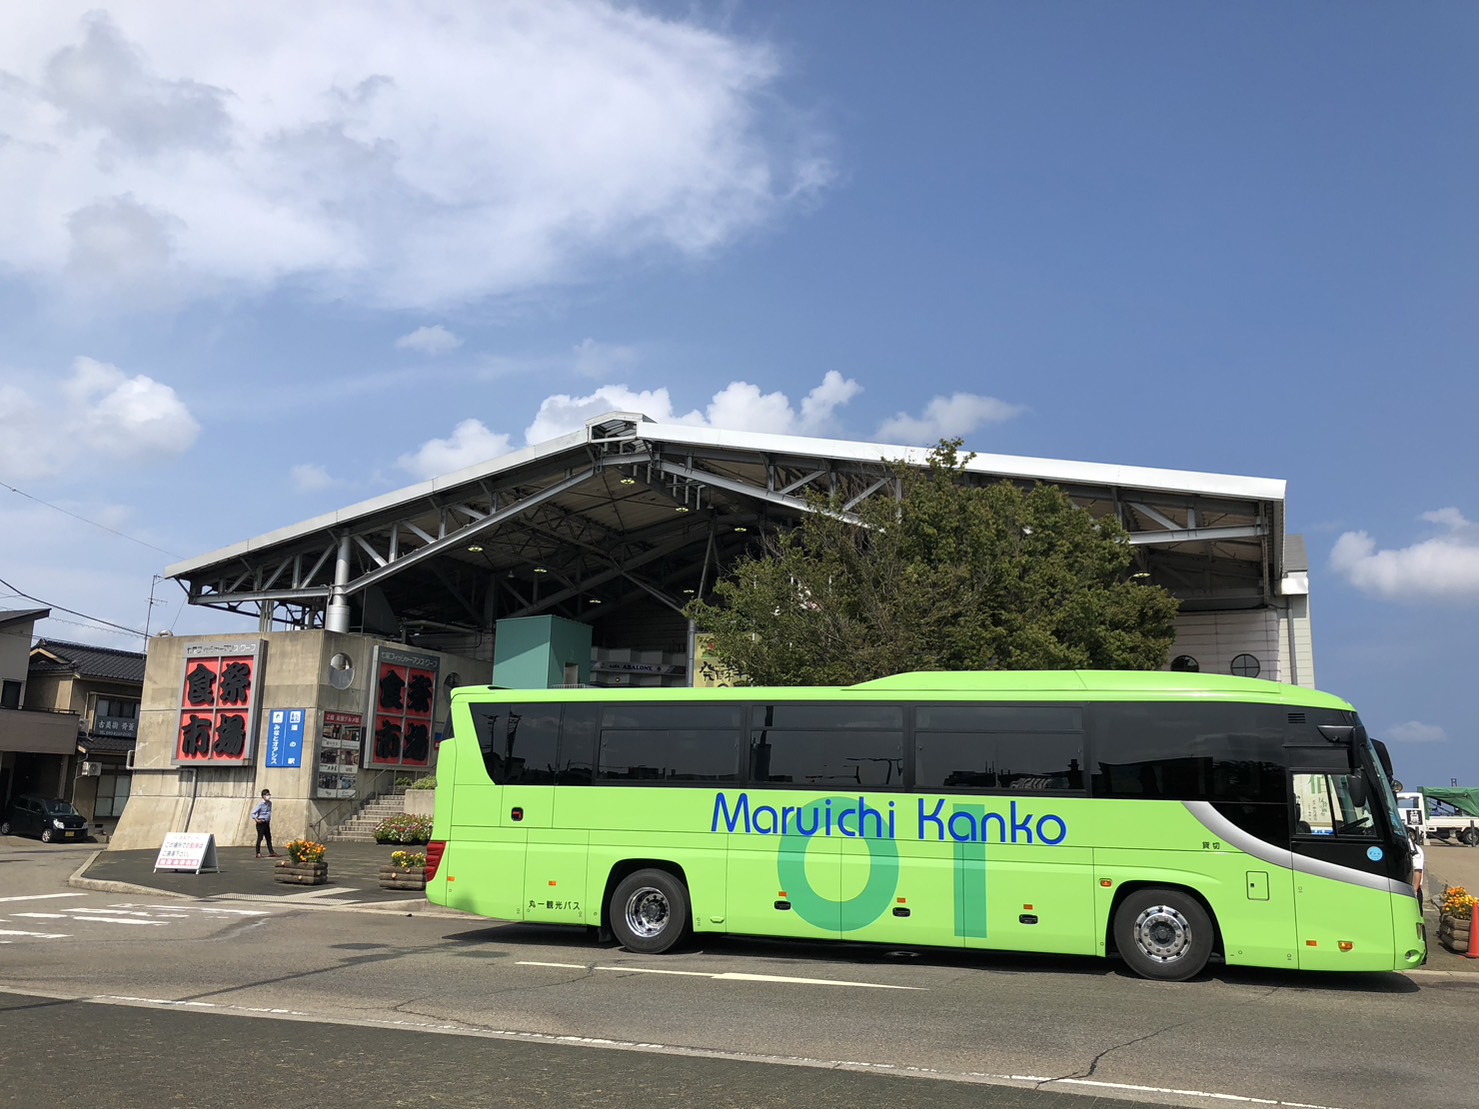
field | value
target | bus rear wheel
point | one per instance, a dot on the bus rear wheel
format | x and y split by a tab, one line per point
1163	934
649	911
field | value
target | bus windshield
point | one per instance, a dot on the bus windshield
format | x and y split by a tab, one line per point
1382	785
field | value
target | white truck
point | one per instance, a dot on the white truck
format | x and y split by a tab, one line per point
1444	814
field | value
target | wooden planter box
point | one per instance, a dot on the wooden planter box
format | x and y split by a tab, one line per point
301	874
1453	932
401	878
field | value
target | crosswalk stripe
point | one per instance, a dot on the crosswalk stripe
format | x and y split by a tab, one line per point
40	896
120	920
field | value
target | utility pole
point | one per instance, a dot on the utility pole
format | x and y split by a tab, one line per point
148	615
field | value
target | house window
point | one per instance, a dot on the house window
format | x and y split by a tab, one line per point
10	695
117	709
112	795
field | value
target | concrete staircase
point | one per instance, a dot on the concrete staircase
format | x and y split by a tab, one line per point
360	827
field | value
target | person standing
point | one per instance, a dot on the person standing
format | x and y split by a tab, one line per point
1417	864
262	814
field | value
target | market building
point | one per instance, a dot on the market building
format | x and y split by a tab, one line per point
570	562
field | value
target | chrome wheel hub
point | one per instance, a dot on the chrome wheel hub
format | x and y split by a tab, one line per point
1162	933
647	912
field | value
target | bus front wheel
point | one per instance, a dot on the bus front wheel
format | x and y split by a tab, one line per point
1163	934
649	911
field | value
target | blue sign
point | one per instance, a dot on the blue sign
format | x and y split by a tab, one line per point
285	737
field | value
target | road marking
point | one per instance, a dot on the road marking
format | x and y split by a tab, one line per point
44	916
34	935
41	896
980	1077
122	920
729	976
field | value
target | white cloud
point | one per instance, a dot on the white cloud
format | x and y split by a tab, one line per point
1443	567
1414	732
127	417
98	412
309	477
739	406
946	417
429	340
470	442
598	360
561	414
409	155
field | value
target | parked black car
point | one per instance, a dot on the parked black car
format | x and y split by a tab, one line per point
46	817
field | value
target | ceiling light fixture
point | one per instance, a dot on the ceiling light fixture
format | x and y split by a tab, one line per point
741	529
681	508
629	481
475	549
540	570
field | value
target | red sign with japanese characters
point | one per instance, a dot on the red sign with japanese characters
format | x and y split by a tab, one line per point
218	700
402	702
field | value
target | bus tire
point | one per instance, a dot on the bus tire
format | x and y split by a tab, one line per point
649	911
1469	837
1163	934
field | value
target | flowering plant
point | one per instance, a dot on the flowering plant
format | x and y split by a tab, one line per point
1458	901
408	860
306	851
403	829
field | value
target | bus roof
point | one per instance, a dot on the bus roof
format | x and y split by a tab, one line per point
1156	685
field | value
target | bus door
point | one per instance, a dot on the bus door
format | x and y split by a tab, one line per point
553	885
1344	859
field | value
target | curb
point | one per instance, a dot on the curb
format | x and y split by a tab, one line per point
81	881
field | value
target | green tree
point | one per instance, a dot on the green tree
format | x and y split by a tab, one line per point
949	576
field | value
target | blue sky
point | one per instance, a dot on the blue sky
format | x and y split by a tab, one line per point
262	261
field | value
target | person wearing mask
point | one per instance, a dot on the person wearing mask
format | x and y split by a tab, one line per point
262	814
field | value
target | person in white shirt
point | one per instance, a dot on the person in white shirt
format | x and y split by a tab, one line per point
1417	864
262	814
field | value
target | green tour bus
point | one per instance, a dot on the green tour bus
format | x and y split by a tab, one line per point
1165	817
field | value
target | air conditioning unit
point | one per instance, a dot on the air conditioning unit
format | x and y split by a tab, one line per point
89	770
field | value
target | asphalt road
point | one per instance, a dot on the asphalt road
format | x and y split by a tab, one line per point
169	992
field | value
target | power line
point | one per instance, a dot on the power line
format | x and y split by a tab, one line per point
72	611
85	520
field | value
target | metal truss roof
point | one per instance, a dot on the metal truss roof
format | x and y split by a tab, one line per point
635	512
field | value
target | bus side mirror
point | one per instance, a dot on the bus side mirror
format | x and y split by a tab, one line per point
1357	786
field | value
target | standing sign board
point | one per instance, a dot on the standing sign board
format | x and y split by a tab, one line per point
193	851
285	737
402	700
217	723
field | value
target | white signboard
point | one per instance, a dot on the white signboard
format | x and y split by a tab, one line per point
193	851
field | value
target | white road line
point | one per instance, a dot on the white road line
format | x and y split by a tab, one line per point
112	909
43	916
121	920
561	966
993	1078
735	976
35	935
41	896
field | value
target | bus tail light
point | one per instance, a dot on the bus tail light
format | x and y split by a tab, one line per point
434	851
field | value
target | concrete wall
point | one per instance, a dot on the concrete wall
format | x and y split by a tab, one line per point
295	674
